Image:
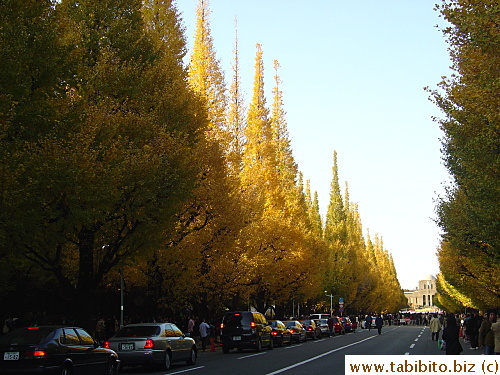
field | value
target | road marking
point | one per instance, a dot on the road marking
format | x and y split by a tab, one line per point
416	339
407	353
318	356
252	355
189	369
412	346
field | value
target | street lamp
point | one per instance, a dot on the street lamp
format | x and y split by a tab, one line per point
331	302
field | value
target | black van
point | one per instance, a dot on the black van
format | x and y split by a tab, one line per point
245	329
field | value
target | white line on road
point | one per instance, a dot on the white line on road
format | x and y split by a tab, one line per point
252	355
412	346
189	369
416	339
318	356
407	353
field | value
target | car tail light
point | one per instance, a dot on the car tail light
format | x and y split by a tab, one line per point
309	329
252	324
293	330
36	354
222	326
34	328
106	345
274	333
150	344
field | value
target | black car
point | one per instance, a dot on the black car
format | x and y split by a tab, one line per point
281	334
312	330
297	330
245	329
60	350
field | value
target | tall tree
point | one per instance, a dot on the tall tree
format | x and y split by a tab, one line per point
104	182
470	99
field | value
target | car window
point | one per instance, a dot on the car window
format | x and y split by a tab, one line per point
70	337
85	338
138	331
176	330
237	319
30	336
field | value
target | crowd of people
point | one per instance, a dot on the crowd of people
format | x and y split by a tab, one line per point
477	330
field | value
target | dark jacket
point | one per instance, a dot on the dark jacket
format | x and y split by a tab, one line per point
450	336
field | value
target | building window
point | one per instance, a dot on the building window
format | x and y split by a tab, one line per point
423	300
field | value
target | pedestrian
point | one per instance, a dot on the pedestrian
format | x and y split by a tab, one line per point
450	336
435	327
204	334
330	323
379	322
190	327
495	327
100	330
472	329
486	335
368	322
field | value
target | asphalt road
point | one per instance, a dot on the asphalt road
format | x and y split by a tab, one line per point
325	356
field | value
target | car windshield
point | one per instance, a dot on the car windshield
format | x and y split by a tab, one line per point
26	336
305	321
237	319
138	331
290	324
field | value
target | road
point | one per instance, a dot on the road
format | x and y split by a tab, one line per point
325	356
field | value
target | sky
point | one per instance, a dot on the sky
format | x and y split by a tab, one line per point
353	77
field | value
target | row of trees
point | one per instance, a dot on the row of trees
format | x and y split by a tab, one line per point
117	158
469	255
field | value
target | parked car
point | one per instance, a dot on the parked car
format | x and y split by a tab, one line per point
60	350
297	330
323	326
338	327
346	322
245	329
151	344
312	330
281	334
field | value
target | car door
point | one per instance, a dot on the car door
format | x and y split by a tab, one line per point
95	358
173	341
183	342
75	351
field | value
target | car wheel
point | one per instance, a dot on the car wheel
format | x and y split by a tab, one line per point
111	367
192	357
167	361
282	341
271	344
258	348
66	370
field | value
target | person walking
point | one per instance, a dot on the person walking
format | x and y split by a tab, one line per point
450	336
486	335
330	323
204	334
472	329
435	327
368	322
379	323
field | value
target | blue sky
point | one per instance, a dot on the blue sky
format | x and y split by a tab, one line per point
353	76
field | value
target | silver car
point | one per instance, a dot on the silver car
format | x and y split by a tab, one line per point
152	344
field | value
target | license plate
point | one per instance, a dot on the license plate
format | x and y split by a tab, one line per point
127	346
236	338
11	356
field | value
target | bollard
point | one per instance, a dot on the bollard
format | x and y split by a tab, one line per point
212	345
